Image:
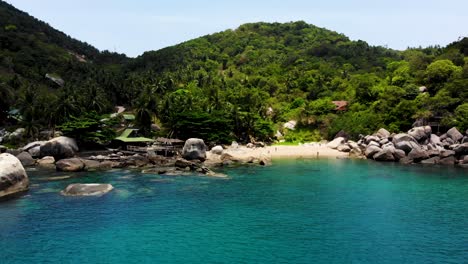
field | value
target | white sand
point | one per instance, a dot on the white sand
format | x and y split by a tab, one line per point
275	152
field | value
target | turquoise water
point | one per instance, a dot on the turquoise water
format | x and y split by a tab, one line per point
298	211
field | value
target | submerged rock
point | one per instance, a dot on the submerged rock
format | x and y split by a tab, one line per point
13	177
90	189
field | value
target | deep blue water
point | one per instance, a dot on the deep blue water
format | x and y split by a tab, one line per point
297	211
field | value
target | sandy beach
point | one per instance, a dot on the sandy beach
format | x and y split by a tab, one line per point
282	152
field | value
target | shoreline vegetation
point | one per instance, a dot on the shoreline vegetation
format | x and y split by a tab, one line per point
257	84
417	146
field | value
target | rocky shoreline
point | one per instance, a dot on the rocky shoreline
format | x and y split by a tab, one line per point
62	154
418	145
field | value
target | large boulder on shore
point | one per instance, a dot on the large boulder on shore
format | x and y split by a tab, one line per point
399	154
47	161
461	149
420	133
34	148
218	150
70	165
433	160
407	146
418	154
448	161
90	189
386	154
13	177
371	151
402	137
382	133
435	140
369	139
60	148
446	153
344	148
454	134
194	149
334	144
26	159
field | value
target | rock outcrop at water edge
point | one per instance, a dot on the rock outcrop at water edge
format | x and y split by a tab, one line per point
218	150
59	148
26	159
194	149
418	145
13	177
70	165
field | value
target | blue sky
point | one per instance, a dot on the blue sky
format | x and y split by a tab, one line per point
132	27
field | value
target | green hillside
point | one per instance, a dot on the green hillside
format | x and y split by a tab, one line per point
46	74
261	75
241	84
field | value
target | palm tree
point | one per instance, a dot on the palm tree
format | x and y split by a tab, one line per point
66	105
146	109
6	98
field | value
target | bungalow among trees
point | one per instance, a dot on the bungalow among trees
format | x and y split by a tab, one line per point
340	105
130	140
167	146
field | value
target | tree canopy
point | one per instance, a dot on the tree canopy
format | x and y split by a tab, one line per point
240	84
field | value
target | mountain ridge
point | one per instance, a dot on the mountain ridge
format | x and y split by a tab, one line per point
249	81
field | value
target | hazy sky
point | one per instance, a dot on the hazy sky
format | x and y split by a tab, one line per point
132	27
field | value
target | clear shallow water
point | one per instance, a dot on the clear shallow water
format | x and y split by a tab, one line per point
298	211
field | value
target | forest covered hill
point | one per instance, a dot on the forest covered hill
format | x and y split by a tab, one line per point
241	84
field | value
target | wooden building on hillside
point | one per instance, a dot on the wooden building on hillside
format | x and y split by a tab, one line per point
341	105
167	146
132	141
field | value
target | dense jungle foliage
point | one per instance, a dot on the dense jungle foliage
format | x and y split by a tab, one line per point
238	84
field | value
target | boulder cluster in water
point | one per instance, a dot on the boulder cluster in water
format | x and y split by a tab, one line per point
418	145
61	154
